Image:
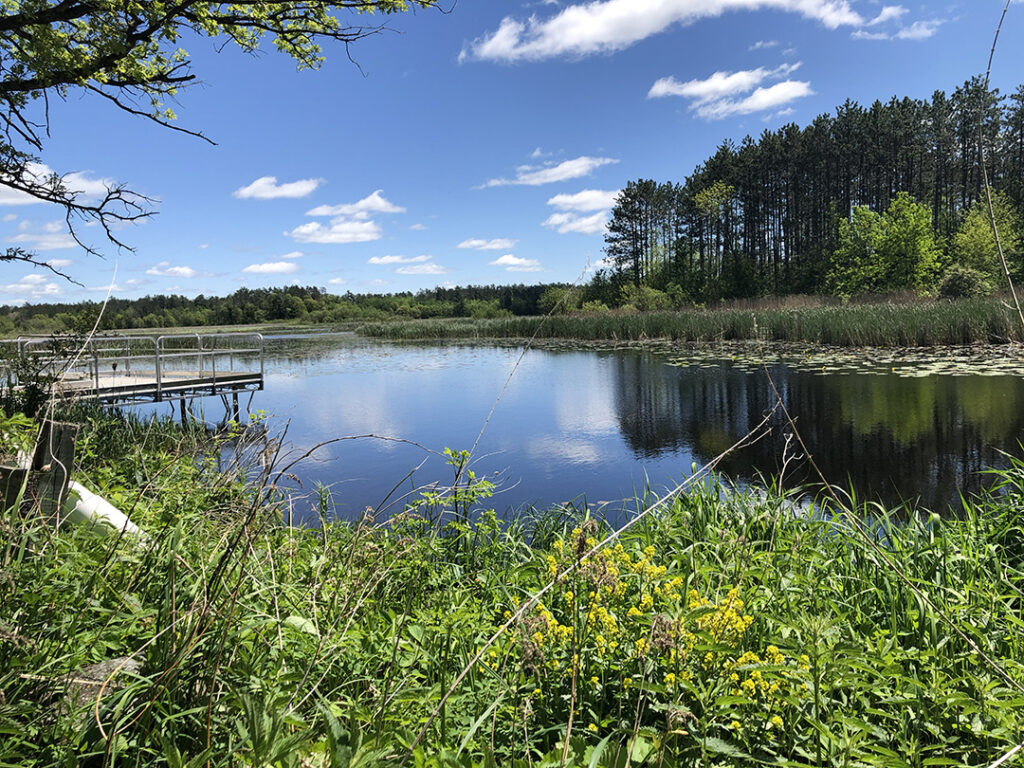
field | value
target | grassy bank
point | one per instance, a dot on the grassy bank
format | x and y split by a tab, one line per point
723	630
927	323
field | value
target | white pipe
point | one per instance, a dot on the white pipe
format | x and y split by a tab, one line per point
84	506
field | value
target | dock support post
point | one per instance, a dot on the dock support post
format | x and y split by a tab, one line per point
235	415
181	406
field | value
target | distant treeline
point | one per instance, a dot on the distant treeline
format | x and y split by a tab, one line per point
247	306
867	200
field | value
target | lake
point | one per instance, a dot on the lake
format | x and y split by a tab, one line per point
598	426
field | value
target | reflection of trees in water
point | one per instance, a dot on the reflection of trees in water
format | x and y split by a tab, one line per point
888	437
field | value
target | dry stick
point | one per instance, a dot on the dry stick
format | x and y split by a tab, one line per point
984	174
754	434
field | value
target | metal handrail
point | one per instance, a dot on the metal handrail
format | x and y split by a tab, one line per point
101	352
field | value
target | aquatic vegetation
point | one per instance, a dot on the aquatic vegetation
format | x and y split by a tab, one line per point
922	324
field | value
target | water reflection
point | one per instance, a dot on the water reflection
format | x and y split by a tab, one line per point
605	423
885	437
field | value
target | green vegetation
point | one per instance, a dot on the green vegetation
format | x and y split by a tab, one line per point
867	200
294	304
724	629
910	324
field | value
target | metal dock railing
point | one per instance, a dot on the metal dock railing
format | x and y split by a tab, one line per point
137	369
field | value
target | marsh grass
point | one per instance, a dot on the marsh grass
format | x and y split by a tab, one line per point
903	324
727	629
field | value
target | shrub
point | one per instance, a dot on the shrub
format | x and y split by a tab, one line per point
962	283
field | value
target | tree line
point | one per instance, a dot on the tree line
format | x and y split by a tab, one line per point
870	199
296	303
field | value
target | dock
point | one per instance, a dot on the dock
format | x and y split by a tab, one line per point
128	369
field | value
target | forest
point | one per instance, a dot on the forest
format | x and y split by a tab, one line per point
875	199
262	305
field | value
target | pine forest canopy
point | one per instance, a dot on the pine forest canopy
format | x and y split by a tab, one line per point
128	53
787	212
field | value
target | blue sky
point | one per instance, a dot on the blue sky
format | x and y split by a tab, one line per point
483	145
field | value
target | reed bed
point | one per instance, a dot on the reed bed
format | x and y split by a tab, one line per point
917	324
726	629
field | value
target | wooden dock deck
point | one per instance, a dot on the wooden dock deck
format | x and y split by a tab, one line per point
120	370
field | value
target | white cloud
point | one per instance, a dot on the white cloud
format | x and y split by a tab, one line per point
497	244
59	263
267	188
9	216
52	237
534	176
422	269
397	259
339	231
605	26
362	210
716	97
164	269
585	200
888	13
351	222
418	227
570	222
292	255
515	264
337	281
272	268
760	44
920	30
31	286
863	34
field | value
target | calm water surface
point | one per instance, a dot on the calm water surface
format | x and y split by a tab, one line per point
599	426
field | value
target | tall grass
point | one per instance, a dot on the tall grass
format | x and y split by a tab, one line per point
724	630
932	323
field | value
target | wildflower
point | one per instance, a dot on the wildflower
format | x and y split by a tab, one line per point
776	721
670	680
592	728
735	725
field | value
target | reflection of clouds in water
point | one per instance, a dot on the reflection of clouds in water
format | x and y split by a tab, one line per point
580	406
357	411
565	449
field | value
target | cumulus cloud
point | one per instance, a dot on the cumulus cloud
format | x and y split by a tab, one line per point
337	281
31	286
721	94
267	188
497	244
338	231
535	176
516	264
372	203
606	26
422	269
272	268
166	269
59	263
585	200
292	255
351	222
397	259
570	222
